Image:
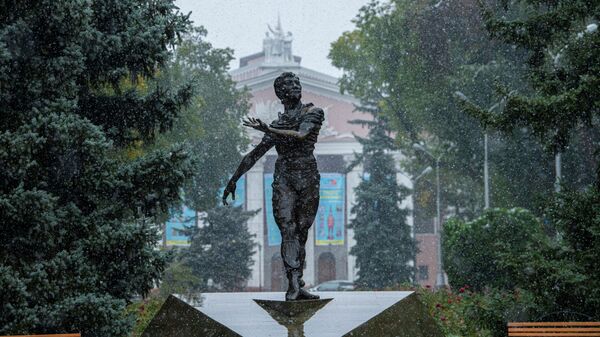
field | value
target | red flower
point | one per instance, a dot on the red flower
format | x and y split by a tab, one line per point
443	318
461	290
438	305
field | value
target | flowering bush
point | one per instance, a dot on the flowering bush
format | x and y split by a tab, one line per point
462	312
451	311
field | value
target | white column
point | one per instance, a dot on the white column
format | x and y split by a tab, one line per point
254	201
353	178
309	272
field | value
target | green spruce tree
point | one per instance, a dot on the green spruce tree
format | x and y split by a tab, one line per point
221	249
77	239
384	245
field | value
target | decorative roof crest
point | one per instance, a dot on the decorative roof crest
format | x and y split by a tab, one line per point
277	45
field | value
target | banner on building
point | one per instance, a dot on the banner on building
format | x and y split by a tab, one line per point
186	217
240	193
273	234
329	222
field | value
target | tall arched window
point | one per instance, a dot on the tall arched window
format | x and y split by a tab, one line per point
326	267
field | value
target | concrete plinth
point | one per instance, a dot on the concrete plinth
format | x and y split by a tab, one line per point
368	313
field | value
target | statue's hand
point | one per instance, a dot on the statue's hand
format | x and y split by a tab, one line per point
256	123
229	189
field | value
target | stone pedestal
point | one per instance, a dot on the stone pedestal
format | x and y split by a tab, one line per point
368	313
292	315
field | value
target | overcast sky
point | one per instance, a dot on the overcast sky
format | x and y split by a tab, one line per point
241	25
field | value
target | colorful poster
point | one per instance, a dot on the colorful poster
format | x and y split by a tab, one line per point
329	222
240	193
273	234
180	220
187	217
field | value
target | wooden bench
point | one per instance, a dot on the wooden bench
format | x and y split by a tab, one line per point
546	329
59	335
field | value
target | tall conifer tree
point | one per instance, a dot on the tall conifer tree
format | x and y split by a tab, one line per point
221	250
384	246
77	206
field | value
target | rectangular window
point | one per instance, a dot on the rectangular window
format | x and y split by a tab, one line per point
423	273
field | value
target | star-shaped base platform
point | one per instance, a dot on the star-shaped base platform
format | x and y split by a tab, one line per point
352	313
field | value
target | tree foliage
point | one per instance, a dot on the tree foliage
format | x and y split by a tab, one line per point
528	69
494	250
211	124
561	109
410	58
561	39
77	233
384	245
221	249
211	128
577	218
512	251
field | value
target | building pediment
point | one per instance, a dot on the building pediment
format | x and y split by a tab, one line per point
258	71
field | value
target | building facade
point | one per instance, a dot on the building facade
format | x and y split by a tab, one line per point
330	239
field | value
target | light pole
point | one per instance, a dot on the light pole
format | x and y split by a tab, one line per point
440	278
486	175
425	171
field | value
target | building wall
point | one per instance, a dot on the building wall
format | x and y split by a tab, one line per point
353	178
337	139
314	253
427	259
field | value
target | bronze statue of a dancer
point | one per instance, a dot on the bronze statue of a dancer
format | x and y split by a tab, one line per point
296	179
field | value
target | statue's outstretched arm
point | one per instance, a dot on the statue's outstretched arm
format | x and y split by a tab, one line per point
247	162
313	120
301	134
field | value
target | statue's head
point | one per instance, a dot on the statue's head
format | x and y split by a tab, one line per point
287	87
